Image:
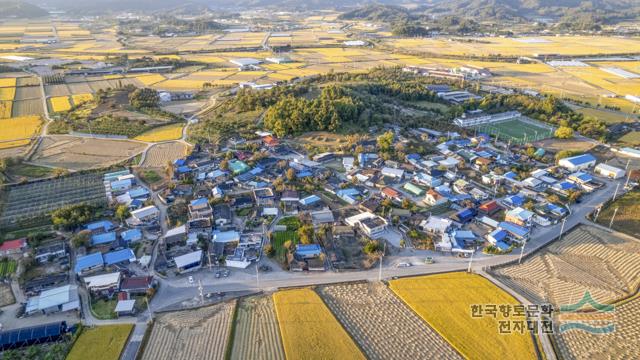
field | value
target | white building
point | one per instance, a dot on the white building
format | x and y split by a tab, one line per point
392	172
144	215
189	262
577	163
60	299
609	171
372	225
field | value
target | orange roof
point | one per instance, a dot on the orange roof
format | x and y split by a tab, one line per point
270	140
391	192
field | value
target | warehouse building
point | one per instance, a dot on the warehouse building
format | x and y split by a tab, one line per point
609	171
577	163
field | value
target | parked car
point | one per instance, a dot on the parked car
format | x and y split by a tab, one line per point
403	264
429	260
190	279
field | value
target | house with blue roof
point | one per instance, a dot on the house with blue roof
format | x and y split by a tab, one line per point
577	163
100	226
88	263
497	235
121	185
510	176
103	238
564	187
557	210
308	251
309	200
515	232
464	215
513	201
304	174
119	257
179	162
238	167
139	192
350	195
133	235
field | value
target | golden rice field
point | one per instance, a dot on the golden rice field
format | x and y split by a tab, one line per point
5	109
150	79
60	103
8	82
17	131
81	98
7	93
444	302
162	133
102	342
309	330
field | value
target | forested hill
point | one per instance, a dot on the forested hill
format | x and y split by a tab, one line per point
20	9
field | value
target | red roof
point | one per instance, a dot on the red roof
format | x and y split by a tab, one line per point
489	206
137	282
391	192
13	244
123	296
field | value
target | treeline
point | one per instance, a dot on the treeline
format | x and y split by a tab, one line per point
334	108
250	100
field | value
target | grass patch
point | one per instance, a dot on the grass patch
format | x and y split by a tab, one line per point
609	117
150	176
309	330
627	218
278	239
292	223
516	130
30	171
444	301
631	138
244	212
428	105
103	309
7	267
101	342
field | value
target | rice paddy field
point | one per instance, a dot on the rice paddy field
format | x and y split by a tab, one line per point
631	138
538	46
627	219
256	332
60	103
444	302
102	342
162	133
18	131
309	330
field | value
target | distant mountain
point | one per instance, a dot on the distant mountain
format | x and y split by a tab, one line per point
20	9
378	12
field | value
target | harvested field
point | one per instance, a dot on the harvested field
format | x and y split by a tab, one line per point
623	343
27	108
101	342
28	92
586	259
565	144
27	81
608	116
309	330
631	138
444	301
256	334
191	334
80	153
383	325
57	90
159	154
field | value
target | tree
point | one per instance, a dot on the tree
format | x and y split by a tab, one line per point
305	233
81	239
371	247
144	98
385	141
72	216
268	250
290	174
122	212
287	244
564	132
224	164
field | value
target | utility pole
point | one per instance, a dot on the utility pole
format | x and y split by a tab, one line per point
613	217
616	193
200	291
146	298
595	218
522	251
384	249
562	228
471	261
627	167
628	178
257	277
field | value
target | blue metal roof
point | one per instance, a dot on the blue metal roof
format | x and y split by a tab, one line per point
120	184
103	224
199	202
88	261
180	162
131	235
498	234
413	156
309	200
303	174
466	214
104	238
502	245
584	177
118	256
348	192
581	159
183	169
515	200
511	175
565	185
513	229
138	192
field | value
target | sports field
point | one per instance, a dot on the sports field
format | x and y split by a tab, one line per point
516	131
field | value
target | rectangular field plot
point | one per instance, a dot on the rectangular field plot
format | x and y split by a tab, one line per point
444	301
309	330
28	202
257	335
102	342
191	334
382	324
519	131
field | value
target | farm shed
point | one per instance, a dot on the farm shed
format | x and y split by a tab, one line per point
176	235
103	239
63	298
104	283
188	262
125	308
18	338
415	190
576	163
309	251
309	200
609	171
132	235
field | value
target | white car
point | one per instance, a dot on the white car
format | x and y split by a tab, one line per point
190	279
403	264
